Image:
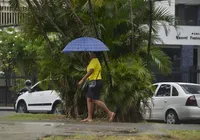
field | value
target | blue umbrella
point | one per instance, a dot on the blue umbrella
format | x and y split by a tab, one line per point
85	44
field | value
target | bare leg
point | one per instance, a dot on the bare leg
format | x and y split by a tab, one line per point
102	105
90	106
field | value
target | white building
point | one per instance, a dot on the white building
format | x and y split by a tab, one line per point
183	44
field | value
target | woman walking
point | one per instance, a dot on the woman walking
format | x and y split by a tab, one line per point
95	85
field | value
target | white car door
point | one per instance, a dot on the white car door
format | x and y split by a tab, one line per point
147	113
34	99
49	98
177	100
160	101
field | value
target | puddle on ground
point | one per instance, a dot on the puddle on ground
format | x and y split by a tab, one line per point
134	131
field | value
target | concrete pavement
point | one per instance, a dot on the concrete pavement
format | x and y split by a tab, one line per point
33	130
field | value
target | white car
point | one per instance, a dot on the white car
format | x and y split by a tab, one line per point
39	100
174	102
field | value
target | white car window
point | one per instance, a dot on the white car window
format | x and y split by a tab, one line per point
191	89
174	92
164	90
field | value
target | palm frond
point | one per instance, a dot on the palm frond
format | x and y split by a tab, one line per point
161	60
163	18
15	4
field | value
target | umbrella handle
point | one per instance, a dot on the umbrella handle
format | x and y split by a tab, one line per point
97	35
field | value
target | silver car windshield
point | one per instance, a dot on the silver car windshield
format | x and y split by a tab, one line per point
191	89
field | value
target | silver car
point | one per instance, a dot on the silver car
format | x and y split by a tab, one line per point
173	102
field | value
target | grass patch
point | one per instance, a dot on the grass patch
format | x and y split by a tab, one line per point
173	135
90	137
186	134
34	117
54	138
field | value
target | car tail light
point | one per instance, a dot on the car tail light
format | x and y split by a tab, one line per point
191	101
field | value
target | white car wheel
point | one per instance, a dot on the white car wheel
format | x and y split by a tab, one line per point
172	118
57	109
21	108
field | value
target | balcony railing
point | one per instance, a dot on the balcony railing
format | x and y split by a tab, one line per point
9	17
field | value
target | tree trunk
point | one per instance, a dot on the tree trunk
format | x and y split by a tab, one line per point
132	28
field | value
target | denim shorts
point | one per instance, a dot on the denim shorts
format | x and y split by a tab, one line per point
94	92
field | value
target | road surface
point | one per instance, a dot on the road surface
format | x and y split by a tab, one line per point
13	130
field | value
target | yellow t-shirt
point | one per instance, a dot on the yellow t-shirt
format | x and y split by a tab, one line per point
94	64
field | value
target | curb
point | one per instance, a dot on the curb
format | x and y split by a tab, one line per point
7	109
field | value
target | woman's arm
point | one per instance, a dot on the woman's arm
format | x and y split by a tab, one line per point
86	76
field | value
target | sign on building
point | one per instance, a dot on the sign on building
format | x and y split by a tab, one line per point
183	35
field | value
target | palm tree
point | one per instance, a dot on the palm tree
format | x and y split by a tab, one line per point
67	19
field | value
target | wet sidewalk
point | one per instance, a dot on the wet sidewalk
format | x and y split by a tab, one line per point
33	130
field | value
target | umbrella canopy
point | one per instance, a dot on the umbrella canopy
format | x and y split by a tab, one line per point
85	44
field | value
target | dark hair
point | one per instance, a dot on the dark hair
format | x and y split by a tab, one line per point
98	54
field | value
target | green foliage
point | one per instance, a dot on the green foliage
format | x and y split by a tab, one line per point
65	70
131	83
34	117
19	84
159	61
54	23
7	48
16	53
18	56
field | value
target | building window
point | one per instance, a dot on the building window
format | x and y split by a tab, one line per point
187	14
